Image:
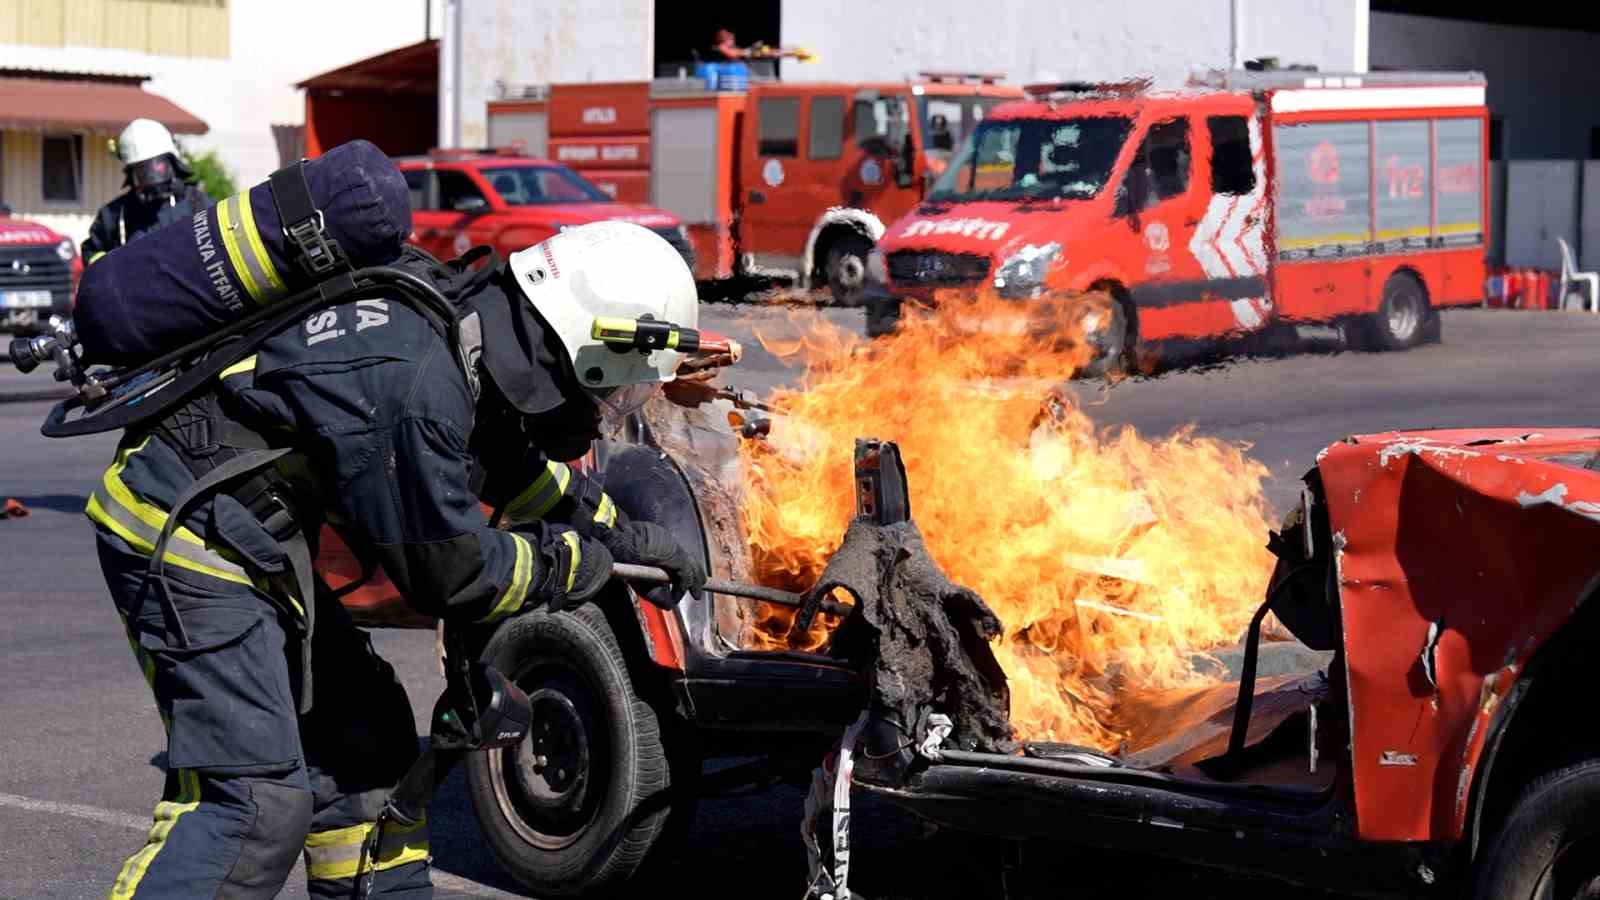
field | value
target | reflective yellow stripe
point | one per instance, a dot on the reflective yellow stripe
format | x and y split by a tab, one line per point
606	513
521	577
230	243
247	218
166	816
236	221
1321	240
1392	233
577	556
138	522
542	495
248	364
336	854
95	255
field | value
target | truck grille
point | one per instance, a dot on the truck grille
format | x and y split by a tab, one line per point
677	240
35	269
935	269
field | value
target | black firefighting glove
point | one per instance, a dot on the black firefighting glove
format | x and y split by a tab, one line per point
575	569
648	544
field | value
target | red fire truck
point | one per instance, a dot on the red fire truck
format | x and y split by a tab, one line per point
1247	199
776	180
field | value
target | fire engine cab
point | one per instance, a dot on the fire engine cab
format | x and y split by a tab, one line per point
774	180
1248	198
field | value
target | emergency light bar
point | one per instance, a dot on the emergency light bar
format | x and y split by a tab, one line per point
962	77
1129	88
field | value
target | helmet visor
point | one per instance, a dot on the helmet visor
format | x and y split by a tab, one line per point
151	172
624	400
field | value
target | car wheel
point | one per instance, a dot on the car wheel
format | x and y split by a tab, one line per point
846	268
577	806
1549	846
1403	315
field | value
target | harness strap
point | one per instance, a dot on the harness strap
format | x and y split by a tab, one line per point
294	544
302	222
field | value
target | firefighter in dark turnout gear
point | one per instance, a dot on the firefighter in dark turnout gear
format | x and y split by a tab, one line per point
160	189
279	745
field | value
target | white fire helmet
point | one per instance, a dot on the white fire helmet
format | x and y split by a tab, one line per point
144	139
613	272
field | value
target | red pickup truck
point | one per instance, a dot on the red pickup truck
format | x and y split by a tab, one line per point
461	199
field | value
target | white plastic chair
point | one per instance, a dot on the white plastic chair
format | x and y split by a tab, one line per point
1570	276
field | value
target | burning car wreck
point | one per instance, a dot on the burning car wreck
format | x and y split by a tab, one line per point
1042	629
1407	732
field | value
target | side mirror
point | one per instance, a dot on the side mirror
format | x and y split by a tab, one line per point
470	205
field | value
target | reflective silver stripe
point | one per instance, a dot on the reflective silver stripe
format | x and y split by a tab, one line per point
142	537
260	282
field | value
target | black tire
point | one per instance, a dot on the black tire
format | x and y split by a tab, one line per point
883	312
845	268
1403	316
1547	847
587	817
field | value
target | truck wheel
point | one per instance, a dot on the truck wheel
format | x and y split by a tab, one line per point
578	805
1549	846
846	268
1403	316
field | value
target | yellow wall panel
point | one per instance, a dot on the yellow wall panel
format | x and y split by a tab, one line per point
127	24
10	23
42	22
84	23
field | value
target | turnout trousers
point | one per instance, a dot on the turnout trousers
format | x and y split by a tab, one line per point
252	784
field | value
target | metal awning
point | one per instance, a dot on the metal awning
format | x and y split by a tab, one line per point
94	103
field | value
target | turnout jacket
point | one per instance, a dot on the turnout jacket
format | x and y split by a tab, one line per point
126	217
380	415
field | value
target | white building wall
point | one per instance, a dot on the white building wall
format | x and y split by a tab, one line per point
1028	40
508	44
1543	82
272	45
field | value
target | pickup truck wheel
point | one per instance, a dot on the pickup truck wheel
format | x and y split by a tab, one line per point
578	805
1115	343
846	268
1549	845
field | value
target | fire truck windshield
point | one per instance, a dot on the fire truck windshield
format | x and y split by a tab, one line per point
536	185
1034	159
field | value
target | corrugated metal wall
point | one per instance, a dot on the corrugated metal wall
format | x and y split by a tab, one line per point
172	27
22	182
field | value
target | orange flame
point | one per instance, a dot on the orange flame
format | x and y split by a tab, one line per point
1110	558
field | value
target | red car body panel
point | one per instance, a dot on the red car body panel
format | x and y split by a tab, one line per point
1458	555
510	227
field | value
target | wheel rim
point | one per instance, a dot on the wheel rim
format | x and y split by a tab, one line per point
849	272
1405	312
551	785
1109	337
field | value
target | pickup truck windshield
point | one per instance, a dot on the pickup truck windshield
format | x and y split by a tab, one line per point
535	185
1034	159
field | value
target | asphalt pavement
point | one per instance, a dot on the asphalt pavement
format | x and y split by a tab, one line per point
80	739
